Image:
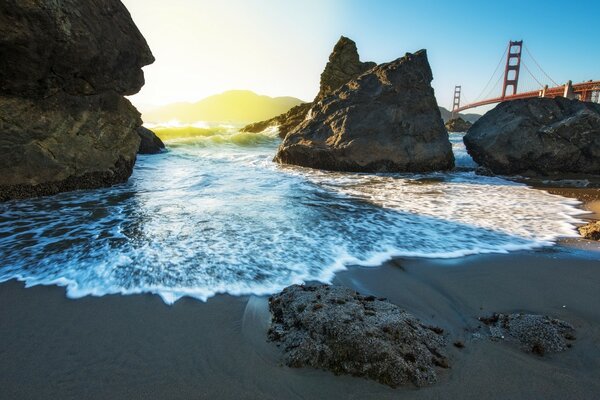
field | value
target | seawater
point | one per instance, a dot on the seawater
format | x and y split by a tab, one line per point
214	214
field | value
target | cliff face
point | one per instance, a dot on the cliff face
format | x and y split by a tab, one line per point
64	69
344	64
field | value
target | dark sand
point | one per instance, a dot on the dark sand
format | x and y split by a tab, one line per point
130	347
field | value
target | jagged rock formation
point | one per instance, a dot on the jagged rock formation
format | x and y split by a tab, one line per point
540	136
337	329
344	64
387	119
458	125
64	69
533	333
149	142
590	231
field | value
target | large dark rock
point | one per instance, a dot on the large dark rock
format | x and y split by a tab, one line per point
344	64
75	46
150	143
458	125
540	136
337	329
387	119
64	69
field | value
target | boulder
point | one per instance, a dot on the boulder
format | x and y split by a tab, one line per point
590	231
337	329
540	136
344	64
387	119
458	125
149	142
533	333
74	46
64	70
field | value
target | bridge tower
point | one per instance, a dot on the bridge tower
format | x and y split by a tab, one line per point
513	63
456	103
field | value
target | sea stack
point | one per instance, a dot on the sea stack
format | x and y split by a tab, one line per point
344	64
540	136
65	68
385	120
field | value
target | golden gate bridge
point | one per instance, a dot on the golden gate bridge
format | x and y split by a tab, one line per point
534	86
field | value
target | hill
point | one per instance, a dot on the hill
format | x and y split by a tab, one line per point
446	115
237	106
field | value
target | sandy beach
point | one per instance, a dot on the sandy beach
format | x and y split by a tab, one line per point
128	347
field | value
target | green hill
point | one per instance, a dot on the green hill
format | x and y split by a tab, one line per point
237	106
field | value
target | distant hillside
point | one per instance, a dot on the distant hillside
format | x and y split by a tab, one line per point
472	117
239	106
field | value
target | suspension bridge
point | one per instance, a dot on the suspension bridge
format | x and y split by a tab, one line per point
535	82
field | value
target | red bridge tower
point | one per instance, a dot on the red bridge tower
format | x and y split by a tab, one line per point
513	63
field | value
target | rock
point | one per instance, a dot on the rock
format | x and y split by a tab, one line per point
284	122
590	231
534	333
541	136
387	119
73	46
64	69
337	329
150	143
458	125
344	64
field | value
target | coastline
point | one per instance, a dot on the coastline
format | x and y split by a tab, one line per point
136	346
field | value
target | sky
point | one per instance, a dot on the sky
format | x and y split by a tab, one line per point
280	47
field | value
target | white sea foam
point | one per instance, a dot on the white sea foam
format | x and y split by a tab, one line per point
201	220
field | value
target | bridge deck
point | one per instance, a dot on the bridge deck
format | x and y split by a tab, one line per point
577	88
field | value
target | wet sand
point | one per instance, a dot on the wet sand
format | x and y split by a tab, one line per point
129	347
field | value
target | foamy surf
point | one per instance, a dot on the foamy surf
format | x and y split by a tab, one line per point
204	219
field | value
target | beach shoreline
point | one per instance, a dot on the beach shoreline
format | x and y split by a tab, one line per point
136	346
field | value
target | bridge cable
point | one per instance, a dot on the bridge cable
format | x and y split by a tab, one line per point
493	74
539	66
533	76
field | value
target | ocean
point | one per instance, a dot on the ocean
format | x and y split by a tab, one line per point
214	215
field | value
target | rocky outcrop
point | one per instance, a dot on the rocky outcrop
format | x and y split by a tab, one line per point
344	64
458	125
533	333
387	119
337	329
64	69
540	136
149	142
284	122
590	231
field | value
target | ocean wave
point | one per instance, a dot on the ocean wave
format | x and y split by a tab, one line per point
201	220
204	135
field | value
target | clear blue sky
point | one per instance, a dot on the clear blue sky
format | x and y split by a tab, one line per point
279	47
